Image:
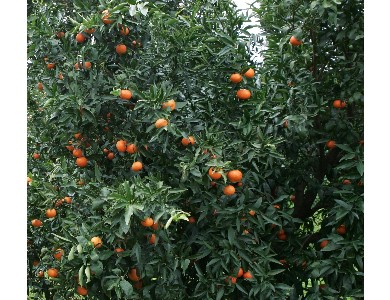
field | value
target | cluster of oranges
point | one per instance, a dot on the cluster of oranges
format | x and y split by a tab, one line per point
240	273
234	176
242	94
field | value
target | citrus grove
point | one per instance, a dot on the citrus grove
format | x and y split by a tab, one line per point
165	161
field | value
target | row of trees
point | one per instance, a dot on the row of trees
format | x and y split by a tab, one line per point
153	173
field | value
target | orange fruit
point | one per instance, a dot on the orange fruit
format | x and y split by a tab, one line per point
81	162
82	291
51	66
89	31
80	38
58	254
152	239
97	242
330	144
138	285
234	176
118	250
59	203
40	86
60	34
29	180
337	103
191	220
250	73
155	226
161	123
232	279
213	183
277	206
248	275
40	274
343	104
110	156
36	155
137	166
68	200
240	273
346	182
133	275
51	213
243	94
280	232
170	103
60	76
131	148
125	94
52	272
77	153
87	65
106	16
252	212
147	222
214	175
70	148
341	229
36	223
121	146
235	78
121	49
285	124
294	41
292	198
324	243
229	190
35	263
77	136
124	30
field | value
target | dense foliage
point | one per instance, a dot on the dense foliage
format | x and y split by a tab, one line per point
100	74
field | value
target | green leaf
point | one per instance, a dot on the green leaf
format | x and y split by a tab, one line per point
129	212
81	275
126	287
220	293
360	168
71	253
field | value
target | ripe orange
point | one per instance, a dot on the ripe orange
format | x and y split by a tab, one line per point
294	41
36	155
89	31
252	212
324	243
343	104
229	190
250	73
214	174
40	274
330	144
58	254
170	103
155	226
137	166
40	86
341	229
292	198
35	263
243	94
232	279
285	124
52	272
77	136
87	65
51	66
60	76
282	237
147	222
280	232
82	291
124	30
138	285
234	176
70	148
131	148
277	206
29	180
125	94
213	183
80	38
337	103
110	156
36	223
68	200
248	275
51	213
81	162
191	220
59	203
346	181
152	239
106	16
118	250
240	273
121	146
161	123
60	34
235	78
97	242
121	49
77	153
284	262
133	275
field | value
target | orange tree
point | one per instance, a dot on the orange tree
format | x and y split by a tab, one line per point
158	163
